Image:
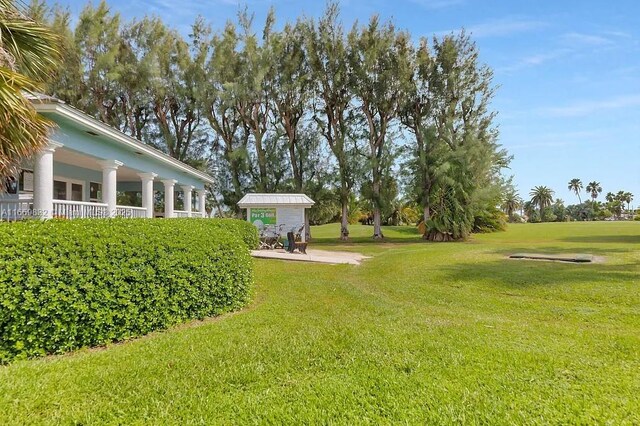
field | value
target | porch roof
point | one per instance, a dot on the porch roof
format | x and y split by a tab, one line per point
49	105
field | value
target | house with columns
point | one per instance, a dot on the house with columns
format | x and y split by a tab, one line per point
91	170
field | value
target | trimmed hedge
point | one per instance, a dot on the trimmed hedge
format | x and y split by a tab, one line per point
71	284
245	230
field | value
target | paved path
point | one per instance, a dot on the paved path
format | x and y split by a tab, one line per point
320	256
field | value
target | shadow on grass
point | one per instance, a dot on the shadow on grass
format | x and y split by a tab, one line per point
393	235
518	274
596	251
406	230
366	241
605	239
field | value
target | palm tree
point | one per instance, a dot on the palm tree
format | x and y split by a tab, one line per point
528	207
628	198
542	197
575	185
28	52
594	189
511	203
610	197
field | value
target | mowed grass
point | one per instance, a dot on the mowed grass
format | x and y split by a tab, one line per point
421	333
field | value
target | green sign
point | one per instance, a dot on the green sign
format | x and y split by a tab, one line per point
263	216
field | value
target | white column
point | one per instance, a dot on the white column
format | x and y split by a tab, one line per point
147	192
202	196
188	201
110	185
169	185
43	182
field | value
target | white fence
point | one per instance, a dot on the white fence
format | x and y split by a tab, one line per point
18	209
131	212
78	209
11	210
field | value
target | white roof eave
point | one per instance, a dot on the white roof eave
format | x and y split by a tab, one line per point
244	206
117	136
275	200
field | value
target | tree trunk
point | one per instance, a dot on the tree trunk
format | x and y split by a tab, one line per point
438	237
297	175
344	225
377	224
307	226
426	215
377	215
262	164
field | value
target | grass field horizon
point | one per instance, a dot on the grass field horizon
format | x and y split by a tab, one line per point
436	333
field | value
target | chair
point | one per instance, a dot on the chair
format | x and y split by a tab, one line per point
295	245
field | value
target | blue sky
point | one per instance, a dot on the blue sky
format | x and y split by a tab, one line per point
569	73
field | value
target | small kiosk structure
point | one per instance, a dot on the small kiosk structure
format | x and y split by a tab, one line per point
277	213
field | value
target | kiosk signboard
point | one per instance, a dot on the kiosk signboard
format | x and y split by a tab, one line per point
263	215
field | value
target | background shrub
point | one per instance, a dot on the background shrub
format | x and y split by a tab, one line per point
71	284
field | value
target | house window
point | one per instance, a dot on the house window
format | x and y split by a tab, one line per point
68	189
95	192
26	181
76	192
59	190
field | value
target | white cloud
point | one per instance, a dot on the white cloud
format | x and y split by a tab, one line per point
555	140
586	39
568	45
437	4
535	60
501	27
583	108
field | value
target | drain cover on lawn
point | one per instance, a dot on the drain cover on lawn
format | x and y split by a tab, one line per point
574	258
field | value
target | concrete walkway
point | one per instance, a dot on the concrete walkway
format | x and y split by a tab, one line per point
319	256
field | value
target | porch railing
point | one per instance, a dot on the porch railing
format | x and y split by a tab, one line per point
131	212
11	210
78	209
18	209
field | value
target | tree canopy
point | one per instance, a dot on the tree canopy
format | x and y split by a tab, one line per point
375	126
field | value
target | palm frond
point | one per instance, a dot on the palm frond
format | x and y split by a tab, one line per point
25	44
22	130
27	52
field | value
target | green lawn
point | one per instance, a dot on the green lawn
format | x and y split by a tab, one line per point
421	333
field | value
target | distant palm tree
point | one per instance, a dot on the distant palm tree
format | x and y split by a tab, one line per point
628	198
542	197
28	51
511	203
528	208
575	185
610	197
594	189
